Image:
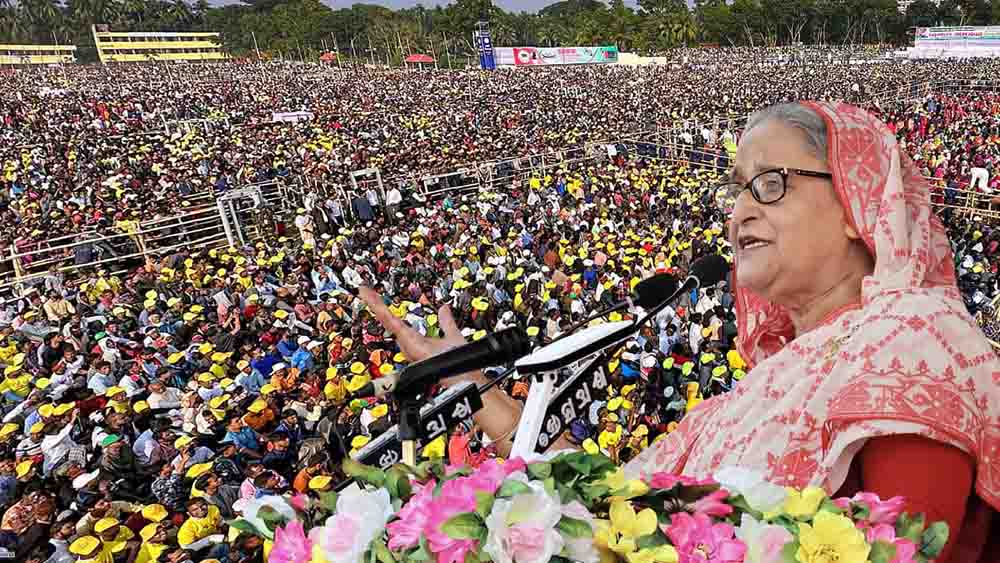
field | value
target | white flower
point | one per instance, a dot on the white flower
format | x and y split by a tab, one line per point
523	529
360	518
759	494
582	549
764	541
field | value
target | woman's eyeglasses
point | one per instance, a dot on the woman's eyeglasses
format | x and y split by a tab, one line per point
766	188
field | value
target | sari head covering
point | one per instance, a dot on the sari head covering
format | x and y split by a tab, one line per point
908	359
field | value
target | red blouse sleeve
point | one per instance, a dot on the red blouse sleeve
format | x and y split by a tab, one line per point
935	478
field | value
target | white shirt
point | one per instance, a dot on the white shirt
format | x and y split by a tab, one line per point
169	399
393	196
144	446
55	448
695	338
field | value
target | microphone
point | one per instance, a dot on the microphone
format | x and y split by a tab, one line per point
577	345
493	349
646	294
649	292
708	270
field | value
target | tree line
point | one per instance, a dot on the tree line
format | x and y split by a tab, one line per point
303	29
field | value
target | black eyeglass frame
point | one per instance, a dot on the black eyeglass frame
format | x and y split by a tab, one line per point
783	172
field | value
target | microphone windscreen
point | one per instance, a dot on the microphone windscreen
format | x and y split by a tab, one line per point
650	292
710	270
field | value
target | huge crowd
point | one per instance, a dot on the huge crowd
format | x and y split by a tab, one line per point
144	409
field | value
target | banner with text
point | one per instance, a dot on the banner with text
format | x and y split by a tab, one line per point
552	56
968	37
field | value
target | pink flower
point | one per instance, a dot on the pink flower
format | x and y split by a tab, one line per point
291	545
842	503
668	481
880	512
699	541
404	533
712	505
457	496
905	549
527	543
300	502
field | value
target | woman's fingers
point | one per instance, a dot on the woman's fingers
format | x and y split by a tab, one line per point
410	341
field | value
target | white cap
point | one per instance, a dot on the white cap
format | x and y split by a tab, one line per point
314	344
303	340
278	366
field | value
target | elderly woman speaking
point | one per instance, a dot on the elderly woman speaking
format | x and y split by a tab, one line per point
868	373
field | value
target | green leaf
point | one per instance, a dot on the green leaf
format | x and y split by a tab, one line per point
580	462
910	527
364	473
392	483
741	505
540	470
464	526
484	504
328	501
405	489
882	552
828	506
244	526
271	517
512	488
575	528
382	552
655	539
422	553
550	486
788	552
933	539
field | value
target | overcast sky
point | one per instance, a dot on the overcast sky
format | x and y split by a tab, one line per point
509	5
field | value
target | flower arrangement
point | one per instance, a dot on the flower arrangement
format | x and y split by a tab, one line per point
580	507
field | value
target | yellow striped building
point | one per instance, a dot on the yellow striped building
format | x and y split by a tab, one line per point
36	54
147	46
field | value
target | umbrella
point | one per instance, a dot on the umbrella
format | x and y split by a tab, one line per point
419	59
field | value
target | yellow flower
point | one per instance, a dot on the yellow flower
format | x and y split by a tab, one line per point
802	505
831	537
627	526
435	449
661	554
625	488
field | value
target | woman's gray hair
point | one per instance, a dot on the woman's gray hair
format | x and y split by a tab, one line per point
799	116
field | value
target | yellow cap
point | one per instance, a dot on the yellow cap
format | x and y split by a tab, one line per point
154	512
399	357
357	368
141	406
46	410
281	314
23	468
183	441
479	335
267	389
43	383
114	391
151	294
63	409
331	372
217	402
220	357
385	369
357	382
242	364
8	429
85	545
532	331
149	530
105	524
37	427
378	411
11	370
320	482
359	441
226	382
205	348
198	470
206	377
257	406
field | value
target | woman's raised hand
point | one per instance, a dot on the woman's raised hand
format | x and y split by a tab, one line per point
414	345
